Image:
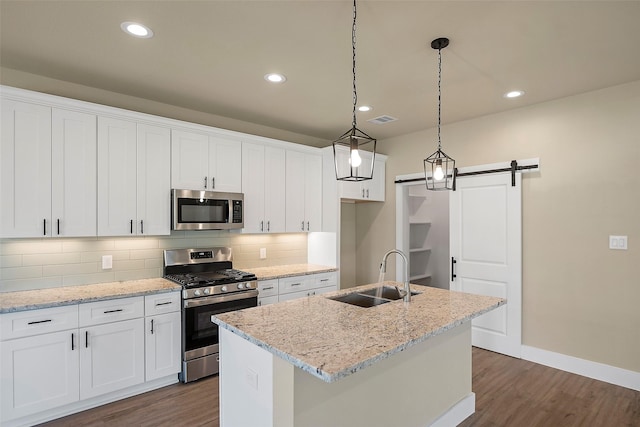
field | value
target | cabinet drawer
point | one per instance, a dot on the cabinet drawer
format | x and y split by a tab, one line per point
294	284
36	322
267	300
324	279
267	288
95	313
161	303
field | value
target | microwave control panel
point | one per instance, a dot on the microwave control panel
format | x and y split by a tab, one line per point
237	211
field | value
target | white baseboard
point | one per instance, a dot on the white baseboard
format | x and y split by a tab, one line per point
457	413
586	368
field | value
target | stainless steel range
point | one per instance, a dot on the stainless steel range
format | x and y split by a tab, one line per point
210	286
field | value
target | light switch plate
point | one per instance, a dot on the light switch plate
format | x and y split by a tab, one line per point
618	242
263	253
107	262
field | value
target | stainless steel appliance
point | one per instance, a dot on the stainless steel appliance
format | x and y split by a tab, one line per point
210	286
206	210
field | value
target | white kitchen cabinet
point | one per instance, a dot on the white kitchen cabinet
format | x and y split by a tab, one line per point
39	361
263	184
163	329
267	291
111	345
205	162
133	178
48	162
372	190
303	191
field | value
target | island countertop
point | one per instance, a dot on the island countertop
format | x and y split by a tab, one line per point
331	339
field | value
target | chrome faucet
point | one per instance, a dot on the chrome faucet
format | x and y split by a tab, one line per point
383	269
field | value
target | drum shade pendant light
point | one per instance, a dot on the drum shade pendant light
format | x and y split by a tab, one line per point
353	166
439	169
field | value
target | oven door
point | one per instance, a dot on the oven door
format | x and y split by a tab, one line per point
200	334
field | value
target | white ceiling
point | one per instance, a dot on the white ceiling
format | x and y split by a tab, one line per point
211	56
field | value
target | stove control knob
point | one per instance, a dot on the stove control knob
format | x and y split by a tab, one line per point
224	289
248	285
240	285
207	291
196	292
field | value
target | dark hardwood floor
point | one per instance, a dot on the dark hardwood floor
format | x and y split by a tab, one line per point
509	392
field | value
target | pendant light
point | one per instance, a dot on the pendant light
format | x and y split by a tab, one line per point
353	166
439	169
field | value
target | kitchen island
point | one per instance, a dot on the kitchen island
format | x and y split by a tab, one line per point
317	361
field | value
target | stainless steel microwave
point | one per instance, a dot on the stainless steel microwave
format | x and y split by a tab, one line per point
206	210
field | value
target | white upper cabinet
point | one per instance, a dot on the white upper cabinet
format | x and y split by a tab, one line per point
48	183
263	184
205	162
133	178
367	190
303	191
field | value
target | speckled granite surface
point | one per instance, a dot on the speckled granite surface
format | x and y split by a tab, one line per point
275	272
331	339
55	297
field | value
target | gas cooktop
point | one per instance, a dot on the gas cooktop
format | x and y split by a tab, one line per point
211	278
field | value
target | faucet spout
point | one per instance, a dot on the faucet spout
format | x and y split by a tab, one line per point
383	269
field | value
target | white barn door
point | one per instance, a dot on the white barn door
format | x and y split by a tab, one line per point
486	245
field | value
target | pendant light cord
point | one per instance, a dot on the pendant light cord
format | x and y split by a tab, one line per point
439	94
353	49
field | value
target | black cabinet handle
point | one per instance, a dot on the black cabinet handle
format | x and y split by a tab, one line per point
113	311
141	226
268	225
213	183
151	326
72	344
307	225
131	225
35	322
163	303
44	227
453	266
302	226
58	221
261	225
205	182
86	339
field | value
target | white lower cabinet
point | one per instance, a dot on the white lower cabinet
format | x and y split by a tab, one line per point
294	287
57	361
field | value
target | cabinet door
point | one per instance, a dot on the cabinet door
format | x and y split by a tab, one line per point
295	192
253	186
225	165
38	373
313	192
274	189
162	345
73	173
25	168
153	181
116	177
375	188
189	160
111	357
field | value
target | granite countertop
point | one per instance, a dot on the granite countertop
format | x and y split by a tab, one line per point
278	271
68	295
331	339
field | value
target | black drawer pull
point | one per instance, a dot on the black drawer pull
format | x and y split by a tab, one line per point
324	280
296	284
113	311
163	303
35	322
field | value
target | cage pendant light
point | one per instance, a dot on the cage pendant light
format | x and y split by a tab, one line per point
350	161
439	169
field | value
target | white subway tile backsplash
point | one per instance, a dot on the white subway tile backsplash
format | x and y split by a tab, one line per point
43	263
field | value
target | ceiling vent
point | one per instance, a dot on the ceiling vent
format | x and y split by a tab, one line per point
380	120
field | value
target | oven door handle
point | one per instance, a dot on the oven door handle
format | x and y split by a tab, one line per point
196	302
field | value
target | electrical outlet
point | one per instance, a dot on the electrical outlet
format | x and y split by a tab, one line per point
263	253
107	262
618	242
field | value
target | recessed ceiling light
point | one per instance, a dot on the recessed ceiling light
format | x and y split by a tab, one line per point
275	78
514	94
365	108
137	30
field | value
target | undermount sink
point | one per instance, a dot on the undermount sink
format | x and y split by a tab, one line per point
371	297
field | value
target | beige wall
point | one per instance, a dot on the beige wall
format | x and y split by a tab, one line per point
44	263
347	245
579	297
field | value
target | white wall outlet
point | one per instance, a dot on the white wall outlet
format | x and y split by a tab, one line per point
618	242
263	253
107	262
252	378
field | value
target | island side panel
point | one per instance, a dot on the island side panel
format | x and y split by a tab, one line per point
256	387
412	388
